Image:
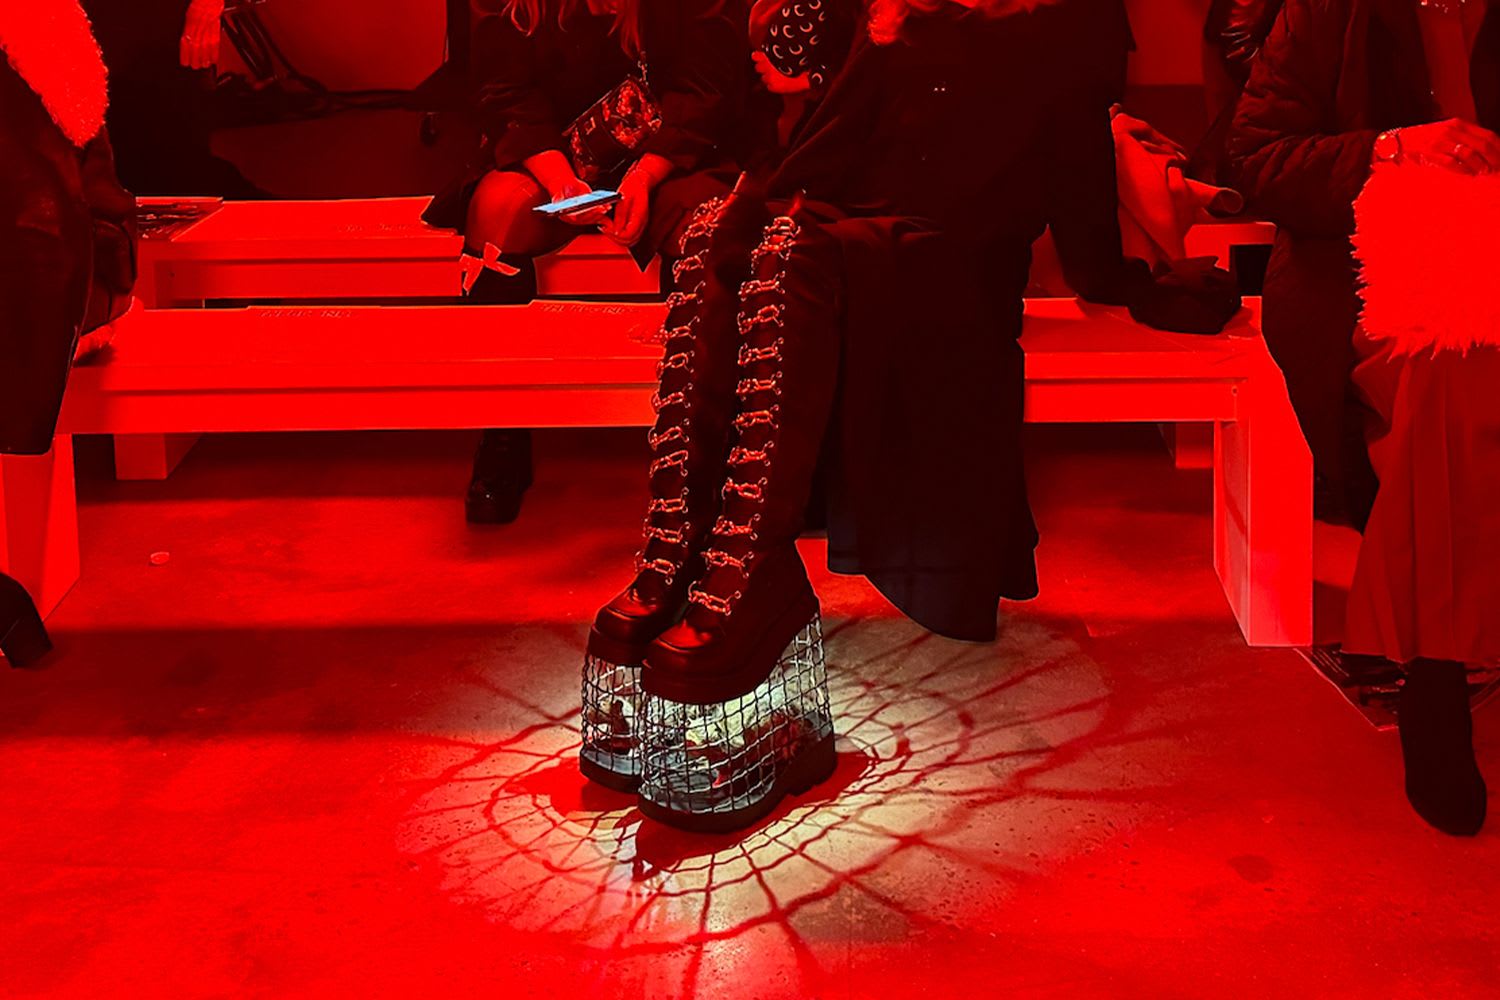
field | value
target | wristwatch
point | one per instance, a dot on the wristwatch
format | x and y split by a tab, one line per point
1388	146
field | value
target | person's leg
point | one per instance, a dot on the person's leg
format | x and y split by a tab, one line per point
744	665
695	404
501	216
1427	581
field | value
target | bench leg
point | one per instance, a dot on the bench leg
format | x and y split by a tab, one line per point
39	523
1191	445
150	456
1263	521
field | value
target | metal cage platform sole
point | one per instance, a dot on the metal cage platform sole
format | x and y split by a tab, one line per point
722	766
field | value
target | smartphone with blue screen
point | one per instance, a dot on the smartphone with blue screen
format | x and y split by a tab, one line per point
581	203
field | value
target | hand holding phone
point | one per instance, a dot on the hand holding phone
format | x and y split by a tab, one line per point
583	209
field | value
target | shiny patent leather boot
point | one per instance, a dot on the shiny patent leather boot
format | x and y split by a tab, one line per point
736	712
695	405
23	639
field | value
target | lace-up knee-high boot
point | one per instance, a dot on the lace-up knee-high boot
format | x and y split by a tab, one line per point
736	710
695	405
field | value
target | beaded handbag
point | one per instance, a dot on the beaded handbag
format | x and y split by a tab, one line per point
614	129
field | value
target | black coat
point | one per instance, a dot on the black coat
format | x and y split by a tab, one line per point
66	259
1332	75
939	161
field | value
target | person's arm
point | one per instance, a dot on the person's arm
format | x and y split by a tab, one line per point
702	86
514	113
1083	196
1291	168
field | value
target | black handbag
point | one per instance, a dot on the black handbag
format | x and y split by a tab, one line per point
611	132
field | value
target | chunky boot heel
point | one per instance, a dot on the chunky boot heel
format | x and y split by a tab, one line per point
23	638
718	767
610	754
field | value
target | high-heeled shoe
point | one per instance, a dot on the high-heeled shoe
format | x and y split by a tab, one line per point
23	639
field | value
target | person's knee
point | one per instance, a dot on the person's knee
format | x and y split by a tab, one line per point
501	212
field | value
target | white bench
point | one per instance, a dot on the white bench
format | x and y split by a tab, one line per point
350	250
573	364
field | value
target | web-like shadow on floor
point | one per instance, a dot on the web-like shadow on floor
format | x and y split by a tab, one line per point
939	745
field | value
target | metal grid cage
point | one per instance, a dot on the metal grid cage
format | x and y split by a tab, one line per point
727	757
611	708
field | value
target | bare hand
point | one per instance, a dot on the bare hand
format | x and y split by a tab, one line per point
631	212
575	188
199	48
776	81
1454	144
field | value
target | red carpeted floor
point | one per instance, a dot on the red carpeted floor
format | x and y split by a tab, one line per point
326	750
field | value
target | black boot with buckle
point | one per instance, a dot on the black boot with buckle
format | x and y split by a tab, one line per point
736	710
695	405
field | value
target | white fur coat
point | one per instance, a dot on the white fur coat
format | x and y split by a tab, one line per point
51	45
1425	243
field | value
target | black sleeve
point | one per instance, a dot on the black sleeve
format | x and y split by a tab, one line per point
514	113
702	83
1082	192
46	262
1292	168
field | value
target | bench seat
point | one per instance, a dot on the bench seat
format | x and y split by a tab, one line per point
592	364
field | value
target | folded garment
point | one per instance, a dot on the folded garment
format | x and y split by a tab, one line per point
1424	242
1187	296
1159	203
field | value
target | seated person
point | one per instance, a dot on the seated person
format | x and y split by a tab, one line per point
66	256
1319	114
541	64
799	49
865	309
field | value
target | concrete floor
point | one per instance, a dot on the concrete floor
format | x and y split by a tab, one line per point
326	750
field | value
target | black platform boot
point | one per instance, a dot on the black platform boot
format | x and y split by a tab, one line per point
502	465
1443	782
695	405
23	639
736	713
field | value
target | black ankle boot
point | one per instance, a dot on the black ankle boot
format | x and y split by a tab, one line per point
502	475
502	466
1443	782
23	639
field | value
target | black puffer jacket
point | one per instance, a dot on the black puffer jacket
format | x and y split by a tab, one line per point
1332	75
